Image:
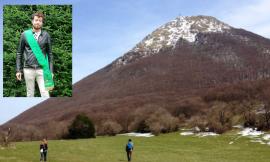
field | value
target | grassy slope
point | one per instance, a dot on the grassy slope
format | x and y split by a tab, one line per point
164	148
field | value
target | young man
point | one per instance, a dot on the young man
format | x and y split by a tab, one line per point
35	51
129	149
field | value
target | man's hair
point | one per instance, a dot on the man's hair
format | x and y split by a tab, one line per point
38	14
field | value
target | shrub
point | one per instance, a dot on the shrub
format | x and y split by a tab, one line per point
81	127
263	119
161	121
153	119
140	116
250	119
219	121
110	128
198	122
142	127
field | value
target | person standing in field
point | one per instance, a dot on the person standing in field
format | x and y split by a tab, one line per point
43	147
129	149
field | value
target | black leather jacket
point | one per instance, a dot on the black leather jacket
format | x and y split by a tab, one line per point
26	55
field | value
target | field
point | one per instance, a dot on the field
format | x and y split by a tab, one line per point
164	148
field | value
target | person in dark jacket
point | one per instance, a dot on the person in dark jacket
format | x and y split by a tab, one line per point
26	61
43	147
129	149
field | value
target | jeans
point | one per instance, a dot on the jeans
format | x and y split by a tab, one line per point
129	153
30	76
43	156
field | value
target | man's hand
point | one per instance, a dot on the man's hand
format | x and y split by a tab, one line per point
52	88
19	76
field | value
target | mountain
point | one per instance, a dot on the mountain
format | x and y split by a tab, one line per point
168	35
181	59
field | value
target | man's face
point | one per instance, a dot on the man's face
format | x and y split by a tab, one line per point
37	22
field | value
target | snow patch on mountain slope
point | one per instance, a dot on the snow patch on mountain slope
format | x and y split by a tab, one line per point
166	36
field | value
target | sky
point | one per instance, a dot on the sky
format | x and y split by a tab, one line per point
104	30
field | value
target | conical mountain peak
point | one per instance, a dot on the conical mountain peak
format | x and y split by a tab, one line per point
185	27
182	27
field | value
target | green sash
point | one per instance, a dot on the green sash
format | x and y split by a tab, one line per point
43	61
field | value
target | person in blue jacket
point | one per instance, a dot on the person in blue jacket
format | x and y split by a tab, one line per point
129	149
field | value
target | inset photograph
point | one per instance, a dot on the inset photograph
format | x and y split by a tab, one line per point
37	51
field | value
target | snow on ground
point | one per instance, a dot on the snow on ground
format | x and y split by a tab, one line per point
204	134
200	134
254	135
138	134
266	137
186	133
250	132
231	142
258	140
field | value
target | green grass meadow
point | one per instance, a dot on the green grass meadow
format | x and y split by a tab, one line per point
164	148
